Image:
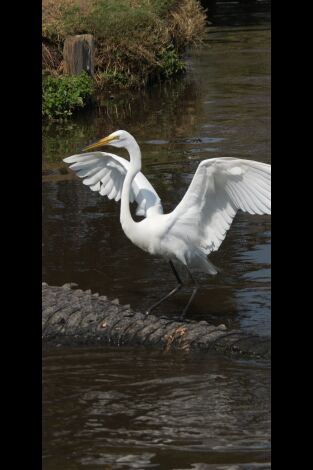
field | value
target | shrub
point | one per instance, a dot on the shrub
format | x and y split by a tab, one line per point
171	63
62	95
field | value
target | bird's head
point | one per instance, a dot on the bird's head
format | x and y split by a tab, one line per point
120	139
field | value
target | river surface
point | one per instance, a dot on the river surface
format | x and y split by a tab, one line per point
120	409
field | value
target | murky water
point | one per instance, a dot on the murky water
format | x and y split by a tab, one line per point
134	410
139	409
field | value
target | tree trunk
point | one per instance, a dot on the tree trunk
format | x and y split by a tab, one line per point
78	54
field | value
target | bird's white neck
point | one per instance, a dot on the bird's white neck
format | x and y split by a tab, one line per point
127	222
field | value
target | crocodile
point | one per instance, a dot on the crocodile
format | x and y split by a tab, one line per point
73	317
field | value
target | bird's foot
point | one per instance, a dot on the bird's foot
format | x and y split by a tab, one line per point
177	318
183	314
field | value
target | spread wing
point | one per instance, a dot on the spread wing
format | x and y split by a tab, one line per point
219	188
105	173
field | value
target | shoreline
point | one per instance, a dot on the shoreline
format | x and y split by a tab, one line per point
135	45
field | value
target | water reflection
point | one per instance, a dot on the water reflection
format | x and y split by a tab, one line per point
160	113
238	13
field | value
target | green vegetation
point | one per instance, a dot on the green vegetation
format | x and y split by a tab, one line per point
62	95
171	63
137	41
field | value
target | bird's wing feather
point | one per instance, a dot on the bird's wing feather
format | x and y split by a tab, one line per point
219	188
105	173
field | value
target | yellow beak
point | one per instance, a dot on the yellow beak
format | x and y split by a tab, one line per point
100	143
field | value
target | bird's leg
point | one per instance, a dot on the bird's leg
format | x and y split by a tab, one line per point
196	287
179	285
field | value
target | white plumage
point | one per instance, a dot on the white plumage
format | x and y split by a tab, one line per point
199	223
105	173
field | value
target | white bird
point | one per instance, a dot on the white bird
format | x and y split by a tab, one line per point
199	223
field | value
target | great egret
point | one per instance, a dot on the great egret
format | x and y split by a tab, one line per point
198	225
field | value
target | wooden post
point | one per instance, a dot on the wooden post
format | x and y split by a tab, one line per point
78	54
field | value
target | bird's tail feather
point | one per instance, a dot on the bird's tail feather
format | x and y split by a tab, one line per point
200	261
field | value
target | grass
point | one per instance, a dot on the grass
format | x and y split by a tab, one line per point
137	41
